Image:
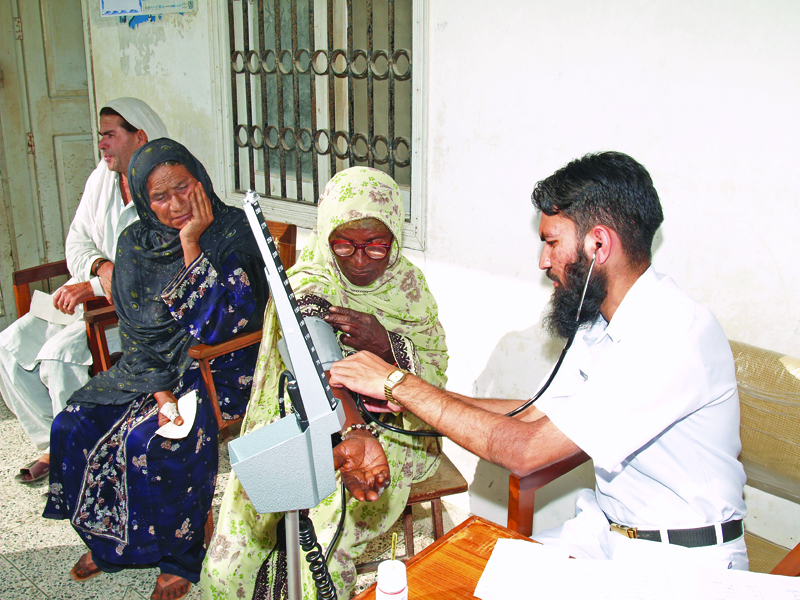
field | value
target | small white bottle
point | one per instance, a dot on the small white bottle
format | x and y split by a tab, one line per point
391	581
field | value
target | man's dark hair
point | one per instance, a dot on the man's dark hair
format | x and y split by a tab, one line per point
110	112
607	188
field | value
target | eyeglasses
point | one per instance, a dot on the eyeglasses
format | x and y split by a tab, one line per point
375	251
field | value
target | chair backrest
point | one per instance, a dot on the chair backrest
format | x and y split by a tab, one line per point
769	394
285	237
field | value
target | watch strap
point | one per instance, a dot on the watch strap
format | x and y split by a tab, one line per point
390	383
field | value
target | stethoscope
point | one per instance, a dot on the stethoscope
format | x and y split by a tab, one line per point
560	360
430	433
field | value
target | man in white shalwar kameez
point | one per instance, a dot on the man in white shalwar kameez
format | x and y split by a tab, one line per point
43	363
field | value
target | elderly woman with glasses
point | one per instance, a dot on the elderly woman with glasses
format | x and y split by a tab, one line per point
352	274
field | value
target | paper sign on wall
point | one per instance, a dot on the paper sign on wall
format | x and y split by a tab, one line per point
122	8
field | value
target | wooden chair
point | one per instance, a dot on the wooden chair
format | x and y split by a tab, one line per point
285	237
22	281
769	393
98	319
521	491
445	482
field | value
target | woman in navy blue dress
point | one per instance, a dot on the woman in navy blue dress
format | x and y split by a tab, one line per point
189	271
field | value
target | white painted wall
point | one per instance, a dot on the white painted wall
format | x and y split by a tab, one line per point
703	94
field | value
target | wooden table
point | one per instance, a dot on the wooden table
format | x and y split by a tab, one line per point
451	567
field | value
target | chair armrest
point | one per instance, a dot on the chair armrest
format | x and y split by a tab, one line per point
521	490
553	471
23	279
106	315
237	342
97	319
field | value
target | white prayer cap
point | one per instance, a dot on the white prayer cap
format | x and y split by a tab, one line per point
141	116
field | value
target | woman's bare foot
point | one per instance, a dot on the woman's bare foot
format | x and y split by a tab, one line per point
170	587
85	568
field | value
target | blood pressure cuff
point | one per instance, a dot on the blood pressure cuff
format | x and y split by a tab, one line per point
323	339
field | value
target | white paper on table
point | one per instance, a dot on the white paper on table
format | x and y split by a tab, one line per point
187	407
508	573
521	570
42	307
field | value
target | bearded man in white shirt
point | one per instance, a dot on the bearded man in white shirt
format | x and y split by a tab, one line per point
647	386
42	363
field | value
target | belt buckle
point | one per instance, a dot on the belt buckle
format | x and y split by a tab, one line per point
629	532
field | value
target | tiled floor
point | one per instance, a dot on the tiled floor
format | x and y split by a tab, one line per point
37	554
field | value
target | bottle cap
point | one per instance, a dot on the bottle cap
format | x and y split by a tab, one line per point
391	576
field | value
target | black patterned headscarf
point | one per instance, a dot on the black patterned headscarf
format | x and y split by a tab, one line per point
149	256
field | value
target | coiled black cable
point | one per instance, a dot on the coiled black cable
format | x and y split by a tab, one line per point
339	527
316	560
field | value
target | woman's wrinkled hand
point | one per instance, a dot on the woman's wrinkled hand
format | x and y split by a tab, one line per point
363	465
361	331
165	398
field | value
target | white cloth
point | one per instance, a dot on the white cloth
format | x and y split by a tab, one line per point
652	398
36	395
42	364
140	115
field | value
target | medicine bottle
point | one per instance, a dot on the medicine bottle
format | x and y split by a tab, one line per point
391	581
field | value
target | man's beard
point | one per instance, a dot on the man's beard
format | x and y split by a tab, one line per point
560	321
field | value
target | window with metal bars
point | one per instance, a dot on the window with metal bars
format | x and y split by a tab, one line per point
318	86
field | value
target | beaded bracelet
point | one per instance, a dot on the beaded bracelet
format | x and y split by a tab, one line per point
365	426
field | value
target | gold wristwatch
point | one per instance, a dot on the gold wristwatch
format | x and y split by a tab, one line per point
393	379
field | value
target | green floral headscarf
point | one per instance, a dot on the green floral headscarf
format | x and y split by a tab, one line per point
399	298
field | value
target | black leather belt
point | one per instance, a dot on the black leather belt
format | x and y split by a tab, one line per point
697	537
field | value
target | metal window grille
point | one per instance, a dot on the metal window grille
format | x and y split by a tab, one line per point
311	96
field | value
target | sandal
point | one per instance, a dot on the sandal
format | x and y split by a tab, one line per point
170	590
84	569
33	472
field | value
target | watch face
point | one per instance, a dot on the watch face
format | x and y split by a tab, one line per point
396	376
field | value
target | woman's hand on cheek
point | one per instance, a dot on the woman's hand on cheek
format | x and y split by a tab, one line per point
202	215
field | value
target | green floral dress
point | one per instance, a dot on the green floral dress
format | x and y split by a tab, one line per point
401	301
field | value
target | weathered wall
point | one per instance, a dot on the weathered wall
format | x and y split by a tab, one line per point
703	94
166	63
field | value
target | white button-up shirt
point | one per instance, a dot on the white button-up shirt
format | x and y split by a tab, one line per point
652	398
